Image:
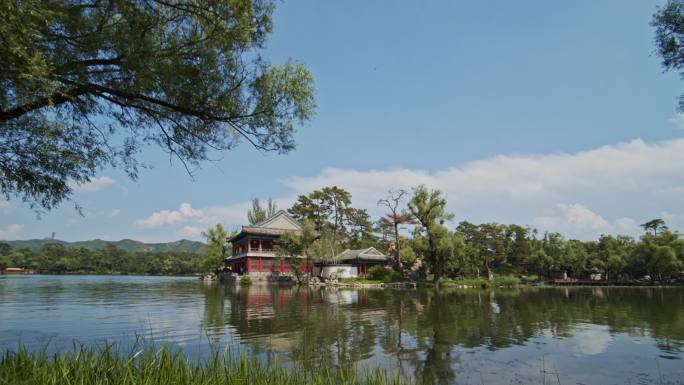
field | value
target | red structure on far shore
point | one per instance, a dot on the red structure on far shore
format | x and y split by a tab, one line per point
253	247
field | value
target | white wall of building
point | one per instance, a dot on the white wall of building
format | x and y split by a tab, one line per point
343	271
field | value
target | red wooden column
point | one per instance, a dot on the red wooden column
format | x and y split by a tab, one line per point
249	265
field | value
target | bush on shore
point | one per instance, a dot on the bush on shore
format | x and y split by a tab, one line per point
498	281
383	274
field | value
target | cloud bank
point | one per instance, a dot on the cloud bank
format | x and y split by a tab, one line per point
609	189
11	232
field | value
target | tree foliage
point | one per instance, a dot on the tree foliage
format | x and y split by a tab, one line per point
669	38
654	225
57	259
395	218
339	224
297	248
428	208
216	247
86	84
258	214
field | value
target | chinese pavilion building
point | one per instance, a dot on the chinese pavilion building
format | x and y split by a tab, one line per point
253	248
254	252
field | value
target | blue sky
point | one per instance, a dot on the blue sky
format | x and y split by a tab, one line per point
552	114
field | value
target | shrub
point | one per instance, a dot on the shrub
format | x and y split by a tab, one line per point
474	282
378	273
530	278
245	280
383	274
407	256
506	280
393	276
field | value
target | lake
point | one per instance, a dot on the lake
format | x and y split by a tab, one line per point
527	336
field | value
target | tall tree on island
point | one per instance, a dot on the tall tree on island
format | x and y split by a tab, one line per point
395	218
654	225
216	247
329	209
428	208
258	214
88	85
295	248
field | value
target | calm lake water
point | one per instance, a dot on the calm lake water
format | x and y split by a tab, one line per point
528	336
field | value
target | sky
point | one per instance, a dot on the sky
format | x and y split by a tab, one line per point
555	115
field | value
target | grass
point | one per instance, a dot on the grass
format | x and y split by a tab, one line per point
499	281
506	281
110	366
360	280
393	277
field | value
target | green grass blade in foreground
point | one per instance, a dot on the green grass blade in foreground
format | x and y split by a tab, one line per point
110	366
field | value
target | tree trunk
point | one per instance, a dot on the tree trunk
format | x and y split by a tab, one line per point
437	273
396	246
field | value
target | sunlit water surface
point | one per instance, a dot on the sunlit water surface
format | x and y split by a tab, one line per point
527	336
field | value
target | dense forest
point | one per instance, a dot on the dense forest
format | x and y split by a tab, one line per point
55	258
182	245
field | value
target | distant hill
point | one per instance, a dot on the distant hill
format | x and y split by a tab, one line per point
183	245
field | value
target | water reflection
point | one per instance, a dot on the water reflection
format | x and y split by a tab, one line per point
578	335
458	336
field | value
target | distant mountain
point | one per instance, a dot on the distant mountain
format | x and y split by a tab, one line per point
183	245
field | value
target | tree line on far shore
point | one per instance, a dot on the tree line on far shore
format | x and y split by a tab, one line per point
416	226
55	258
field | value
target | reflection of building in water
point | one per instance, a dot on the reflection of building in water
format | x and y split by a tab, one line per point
597	292
340	297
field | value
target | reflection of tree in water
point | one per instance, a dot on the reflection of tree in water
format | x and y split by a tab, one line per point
214	319
424	333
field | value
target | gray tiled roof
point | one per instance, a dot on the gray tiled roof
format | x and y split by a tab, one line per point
369	254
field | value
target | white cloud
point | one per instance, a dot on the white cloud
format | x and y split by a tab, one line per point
170	217
114	213
603	190
678	120
95	184
11	232
5	206
573	215
191	232
625	166
194	221
577	221
675	221
591	339
626	226
616	181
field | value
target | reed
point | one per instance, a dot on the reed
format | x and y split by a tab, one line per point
109	365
